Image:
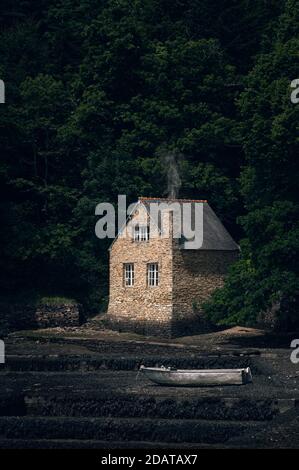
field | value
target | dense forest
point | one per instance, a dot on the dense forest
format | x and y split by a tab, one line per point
96	90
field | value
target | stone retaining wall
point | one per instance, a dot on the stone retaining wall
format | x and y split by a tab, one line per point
21	317
143	327
59	315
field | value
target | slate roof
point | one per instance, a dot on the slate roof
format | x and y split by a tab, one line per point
215	235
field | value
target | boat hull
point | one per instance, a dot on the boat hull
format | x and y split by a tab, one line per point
197	378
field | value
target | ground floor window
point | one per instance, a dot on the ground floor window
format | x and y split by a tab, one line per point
153	274
129	274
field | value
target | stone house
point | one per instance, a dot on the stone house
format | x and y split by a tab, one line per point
157	286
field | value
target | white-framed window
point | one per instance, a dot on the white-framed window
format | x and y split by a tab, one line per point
129	274
152	274
141	233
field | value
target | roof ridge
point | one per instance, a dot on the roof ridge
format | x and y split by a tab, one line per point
142	198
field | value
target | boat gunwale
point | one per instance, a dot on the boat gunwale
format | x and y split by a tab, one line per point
196	371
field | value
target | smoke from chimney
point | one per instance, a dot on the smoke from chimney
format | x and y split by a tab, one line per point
170	160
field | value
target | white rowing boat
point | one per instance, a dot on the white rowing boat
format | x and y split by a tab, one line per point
196	377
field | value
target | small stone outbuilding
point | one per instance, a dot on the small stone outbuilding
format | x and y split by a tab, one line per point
157	286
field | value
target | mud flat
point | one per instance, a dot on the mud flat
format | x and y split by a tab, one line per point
71	389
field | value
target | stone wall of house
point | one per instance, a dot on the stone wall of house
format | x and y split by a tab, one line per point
196	274
140	308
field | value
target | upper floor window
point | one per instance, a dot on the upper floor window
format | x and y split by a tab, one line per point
141	233
153	274
129	274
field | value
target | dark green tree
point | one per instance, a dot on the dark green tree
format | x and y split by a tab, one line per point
267	276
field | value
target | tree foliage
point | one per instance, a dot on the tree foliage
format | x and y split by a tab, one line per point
267	276
95	91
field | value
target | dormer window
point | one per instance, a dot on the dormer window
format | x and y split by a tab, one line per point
141	233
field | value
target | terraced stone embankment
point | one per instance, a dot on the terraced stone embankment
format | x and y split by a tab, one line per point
84	397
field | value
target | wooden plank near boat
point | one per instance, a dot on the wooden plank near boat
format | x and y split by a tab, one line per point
196	377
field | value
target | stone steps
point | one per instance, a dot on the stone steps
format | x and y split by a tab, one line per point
57	363
93	400
125	346
124	429
95	404
126	393
95	444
